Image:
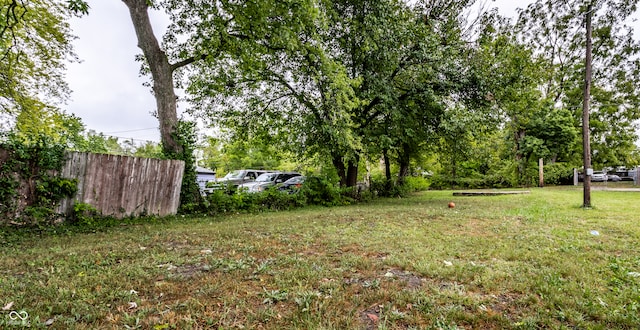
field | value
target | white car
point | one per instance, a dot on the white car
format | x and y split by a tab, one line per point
266	180
599	176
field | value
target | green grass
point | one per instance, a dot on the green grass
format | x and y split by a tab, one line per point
500	262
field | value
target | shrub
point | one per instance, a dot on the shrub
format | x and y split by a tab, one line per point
558	173
320	191
416	183
275	200
439	182
84	214
29	188
386	188
221	202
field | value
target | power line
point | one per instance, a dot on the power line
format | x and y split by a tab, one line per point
133	130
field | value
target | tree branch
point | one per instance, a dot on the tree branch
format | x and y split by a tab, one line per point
188	61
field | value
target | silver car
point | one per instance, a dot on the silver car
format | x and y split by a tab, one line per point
267	180
599	176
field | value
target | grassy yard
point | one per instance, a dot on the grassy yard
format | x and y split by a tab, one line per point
520	262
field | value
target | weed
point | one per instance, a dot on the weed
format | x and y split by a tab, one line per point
274	296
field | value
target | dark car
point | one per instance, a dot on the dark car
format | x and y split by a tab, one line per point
292	185
266	180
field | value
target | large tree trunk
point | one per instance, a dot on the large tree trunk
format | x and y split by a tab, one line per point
387	170
348	174
338	164
161	71
387	164
352	172
404	161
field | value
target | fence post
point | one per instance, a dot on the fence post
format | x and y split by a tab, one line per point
541	172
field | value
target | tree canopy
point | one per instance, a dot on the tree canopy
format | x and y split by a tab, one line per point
35	45
349	82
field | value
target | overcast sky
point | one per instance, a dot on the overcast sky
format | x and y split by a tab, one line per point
107	89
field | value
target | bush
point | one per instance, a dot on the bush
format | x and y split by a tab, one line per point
320	191
315	191
416	183
275	200
27	170
221	202
386	188
558	174
439	182
84	214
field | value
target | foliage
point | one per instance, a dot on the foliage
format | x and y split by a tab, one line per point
552	28
185	136
315	191
35	44
416	183
31	189
148	150
388	188
321	191
84	214
251	153
440	182
221	202
60	127
334	80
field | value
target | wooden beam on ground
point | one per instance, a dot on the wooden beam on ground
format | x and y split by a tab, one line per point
490	193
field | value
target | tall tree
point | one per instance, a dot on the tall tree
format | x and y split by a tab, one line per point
515	76
161	72
322	86
279	82
553	29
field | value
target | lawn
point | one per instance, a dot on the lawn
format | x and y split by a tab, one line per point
502	262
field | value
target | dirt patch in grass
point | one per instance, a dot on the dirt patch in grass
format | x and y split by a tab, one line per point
371	317
410	280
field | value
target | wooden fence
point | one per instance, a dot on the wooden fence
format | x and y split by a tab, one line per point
122	186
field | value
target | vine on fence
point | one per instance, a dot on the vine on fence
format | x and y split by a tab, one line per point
30	188
190	198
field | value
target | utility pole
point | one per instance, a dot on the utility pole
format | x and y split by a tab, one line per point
586	144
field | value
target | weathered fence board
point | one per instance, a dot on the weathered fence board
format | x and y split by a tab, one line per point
124	186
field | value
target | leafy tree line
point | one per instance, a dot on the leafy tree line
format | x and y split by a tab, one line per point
393	81
343	84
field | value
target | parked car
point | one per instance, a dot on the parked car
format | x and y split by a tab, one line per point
235	178
613	177
599	176
266	180
204	176
292	185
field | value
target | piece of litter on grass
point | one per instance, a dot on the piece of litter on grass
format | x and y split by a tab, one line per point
448	263
49	322
133	292
602	303
133	305
7	306
388	274
207	251
168	266
595	233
